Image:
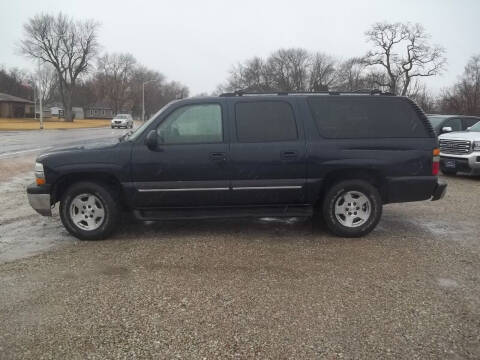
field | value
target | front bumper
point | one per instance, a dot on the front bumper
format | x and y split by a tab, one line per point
464	163
439	191
39	199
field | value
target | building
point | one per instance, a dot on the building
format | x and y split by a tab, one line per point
15	107
56	111
98	111
46	112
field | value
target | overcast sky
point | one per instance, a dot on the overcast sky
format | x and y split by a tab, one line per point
197	42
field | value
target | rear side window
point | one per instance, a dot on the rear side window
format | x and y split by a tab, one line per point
265	121
347	118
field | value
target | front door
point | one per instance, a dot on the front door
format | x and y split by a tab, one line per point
189	165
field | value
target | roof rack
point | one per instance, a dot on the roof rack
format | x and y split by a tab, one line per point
284	93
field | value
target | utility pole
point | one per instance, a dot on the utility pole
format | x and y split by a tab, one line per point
34	99
41	113
143	98
40	95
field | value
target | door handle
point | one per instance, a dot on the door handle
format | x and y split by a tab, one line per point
218	156
289	154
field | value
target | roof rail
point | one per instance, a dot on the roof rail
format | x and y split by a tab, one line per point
284	93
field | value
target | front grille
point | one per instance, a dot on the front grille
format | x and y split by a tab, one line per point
459	147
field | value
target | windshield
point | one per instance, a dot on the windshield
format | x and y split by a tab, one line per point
475	128
121	117
134	135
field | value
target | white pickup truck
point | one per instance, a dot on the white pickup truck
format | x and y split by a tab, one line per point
460	151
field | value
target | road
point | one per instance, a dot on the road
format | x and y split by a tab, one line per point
241	288
15	143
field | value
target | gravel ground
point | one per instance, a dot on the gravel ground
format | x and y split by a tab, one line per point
243	289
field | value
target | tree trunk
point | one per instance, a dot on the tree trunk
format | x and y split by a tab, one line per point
67	105
66	94
393	85
406	85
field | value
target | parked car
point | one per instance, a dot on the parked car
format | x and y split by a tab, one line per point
122	120
460	151
449	123
335	154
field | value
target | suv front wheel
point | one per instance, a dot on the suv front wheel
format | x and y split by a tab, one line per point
352	208
89	211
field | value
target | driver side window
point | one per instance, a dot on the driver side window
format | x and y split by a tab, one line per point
192	124
455	124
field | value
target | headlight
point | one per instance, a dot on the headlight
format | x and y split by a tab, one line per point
476	146
39	174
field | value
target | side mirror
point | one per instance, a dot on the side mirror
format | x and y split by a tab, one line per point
152	140
447	129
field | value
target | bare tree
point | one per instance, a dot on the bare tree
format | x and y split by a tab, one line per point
114	77
464	96
16	82
423	97
251	76
323	72
158	92
68	45
47	80
288	69
284	70
352	75
403	52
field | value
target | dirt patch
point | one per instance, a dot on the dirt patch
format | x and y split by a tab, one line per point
50	124
12	167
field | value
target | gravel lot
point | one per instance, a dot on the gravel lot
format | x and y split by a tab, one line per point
242	289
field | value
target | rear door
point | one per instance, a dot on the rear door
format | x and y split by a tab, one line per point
267	152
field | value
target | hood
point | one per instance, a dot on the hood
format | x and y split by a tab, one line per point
461	135
97	144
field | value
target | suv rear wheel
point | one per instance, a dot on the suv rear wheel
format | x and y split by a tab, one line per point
89	211
352	208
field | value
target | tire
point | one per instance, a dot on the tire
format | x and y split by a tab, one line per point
358	215
89	197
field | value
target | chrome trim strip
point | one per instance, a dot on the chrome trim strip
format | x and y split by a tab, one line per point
184	189
225	188
267	187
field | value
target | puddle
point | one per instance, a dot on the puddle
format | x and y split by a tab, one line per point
23	232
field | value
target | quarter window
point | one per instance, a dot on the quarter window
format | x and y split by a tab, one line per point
349	118
193	124
265	121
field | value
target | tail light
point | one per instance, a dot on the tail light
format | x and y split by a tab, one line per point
436	161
